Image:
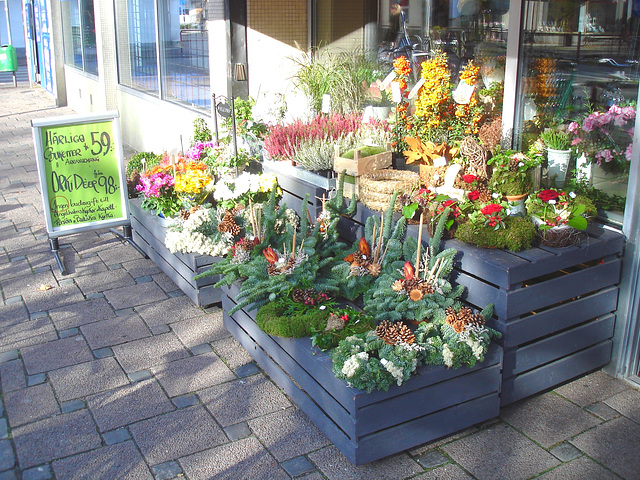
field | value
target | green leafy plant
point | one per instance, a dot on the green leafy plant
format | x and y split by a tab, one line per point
135	162
355	322
511	172
201	131
553	208
555	140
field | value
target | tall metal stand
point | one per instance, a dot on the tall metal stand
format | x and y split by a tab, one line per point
128	237
55	249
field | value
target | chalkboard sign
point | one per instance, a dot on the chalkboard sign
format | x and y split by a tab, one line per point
81	172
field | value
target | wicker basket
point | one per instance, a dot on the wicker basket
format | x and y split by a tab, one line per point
562	236
376	188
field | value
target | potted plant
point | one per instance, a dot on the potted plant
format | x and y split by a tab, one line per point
558	154
511	177
559	216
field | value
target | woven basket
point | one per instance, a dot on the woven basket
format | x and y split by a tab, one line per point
376	188
562	236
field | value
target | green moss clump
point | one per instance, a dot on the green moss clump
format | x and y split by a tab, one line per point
590	210
519	234
271	319
364	152
511	183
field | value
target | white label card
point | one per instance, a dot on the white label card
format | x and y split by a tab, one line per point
462	93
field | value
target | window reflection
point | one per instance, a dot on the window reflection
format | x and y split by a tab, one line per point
79	33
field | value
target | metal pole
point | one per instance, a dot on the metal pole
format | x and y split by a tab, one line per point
55	249
6	12
214	113
233	125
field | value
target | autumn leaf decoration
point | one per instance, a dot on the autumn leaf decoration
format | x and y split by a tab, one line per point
426	153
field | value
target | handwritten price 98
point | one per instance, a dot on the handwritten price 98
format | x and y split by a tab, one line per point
100	143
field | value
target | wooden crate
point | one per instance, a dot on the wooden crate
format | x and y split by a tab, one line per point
358	166
149	232
296	183
555	307
365	427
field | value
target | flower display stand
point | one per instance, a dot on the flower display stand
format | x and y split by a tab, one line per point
555	307
434	403
297	182
149	232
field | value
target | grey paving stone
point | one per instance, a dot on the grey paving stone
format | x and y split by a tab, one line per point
609	445
159	329
237	431
335	466
627	403
26	285
243	399
582	468
69	332
114	331
200	349
4	429
512	456
199	330
312	476
231	352
192	374
565	452
56	437
123	312
245	459
548	418
108	280
288	433
56	354
7	457
103	353
142	267
116	436
119	254
140	375
177	434
247	370
8	356
169	311
59	296
602	410
165	283
137	294
144	279
184	401
27	333
148	352
12	375
81	313
30	404
36	379
128	404
72	406
431	459
14	269
95	296
110	462
593	388
42	472
167	470
78	265
445	472
13	313
298	466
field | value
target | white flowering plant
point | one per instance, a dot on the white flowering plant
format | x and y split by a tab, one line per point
229	191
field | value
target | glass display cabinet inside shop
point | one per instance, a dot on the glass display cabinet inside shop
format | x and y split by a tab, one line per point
578	90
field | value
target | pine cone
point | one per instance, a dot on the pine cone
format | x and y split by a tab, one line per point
465	315
228	224
485	195
477	319
451	316
382	330
239	208
374	269
404	334
427	288
185	214
458	326
298	295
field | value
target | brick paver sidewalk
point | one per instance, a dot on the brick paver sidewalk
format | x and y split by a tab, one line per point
110	372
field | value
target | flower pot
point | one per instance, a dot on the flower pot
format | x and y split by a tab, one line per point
380	113
558	163
516	204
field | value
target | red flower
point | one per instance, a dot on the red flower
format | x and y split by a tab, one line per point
270	255
473	196
491	209
469	178
448	203
546	195
409	271
424	191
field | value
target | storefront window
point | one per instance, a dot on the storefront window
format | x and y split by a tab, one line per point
79	33
163	49
579	76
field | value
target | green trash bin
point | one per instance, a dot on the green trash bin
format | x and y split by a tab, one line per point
9	61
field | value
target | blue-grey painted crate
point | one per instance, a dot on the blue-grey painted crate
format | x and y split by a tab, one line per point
559	301
365	427
296	183
149	232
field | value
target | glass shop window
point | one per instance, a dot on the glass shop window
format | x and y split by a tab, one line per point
79	34
163	49
579	76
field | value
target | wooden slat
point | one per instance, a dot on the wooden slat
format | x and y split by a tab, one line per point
563	288
522	330
556	373
561	345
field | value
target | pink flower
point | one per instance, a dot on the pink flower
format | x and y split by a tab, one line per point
576	141
627	152
573	127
